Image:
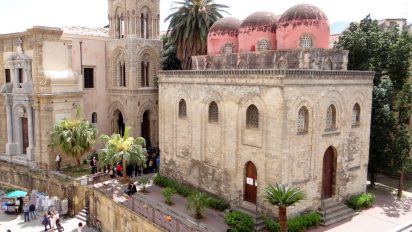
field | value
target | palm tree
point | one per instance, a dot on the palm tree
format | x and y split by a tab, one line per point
73	137
197	202
282	196
125	149
189	26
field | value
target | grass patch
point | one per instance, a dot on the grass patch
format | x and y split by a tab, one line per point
75	171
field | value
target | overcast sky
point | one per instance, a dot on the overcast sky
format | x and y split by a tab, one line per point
19	15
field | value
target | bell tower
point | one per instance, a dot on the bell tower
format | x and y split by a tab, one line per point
138	19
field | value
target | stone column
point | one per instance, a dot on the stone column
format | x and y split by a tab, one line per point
11	148
30	149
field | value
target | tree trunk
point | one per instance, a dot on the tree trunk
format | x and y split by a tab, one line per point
400	185
78	161
283	219
124	178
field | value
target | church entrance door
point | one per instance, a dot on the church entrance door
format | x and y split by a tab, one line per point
145	126
250	182
25	134
120	124
329	173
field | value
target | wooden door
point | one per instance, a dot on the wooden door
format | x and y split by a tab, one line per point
146	128
25	134
328	173
250	183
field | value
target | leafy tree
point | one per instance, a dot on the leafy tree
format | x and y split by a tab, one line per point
168	58
197	202
189	26
388	53
125	149
282	196
73	137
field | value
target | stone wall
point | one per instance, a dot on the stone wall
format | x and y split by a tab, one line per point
212	156
313	58
115	217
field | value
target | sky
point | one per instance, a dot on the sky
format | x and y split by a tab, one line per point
19	15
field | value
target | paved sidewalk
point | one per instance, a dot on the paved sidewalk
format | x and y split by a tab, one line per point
17	224
386	214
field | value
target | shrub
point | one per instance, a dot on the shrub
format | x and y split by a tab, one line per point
217	203
295	224
84	161
271	225
239	222
363	200
168	194
186	190
197	202
143	182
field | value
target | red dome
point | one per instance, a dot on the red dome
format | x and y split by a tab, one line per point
257	27
223	36
300	23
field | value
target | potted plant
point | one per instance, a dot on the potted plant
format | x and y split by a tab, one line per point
197	202
168	194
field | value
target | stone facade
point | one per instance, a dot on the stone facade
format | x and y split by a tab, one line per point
213	155
111	75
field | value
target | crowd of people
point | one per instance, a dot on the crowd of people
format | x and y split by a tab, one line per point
151	165
51	219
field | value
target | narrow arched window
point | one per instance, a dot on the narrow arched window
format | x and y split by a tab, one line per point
228	48
182	109
262	45
94	117
213	112
356	115
252	117
303	120
328	65
306	42
331	118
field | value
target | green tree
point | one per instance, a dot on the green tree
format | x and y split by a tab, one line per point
125	149
73	137
189	26
168	57
388	53
282	196
197	202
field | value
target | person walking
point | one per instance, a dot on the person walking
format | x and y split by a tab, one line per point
119	170
93	165
26	211
46	221
58	161
32	209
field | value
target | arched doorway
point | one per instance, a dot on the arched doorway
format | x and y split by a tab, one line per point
25	134
145	127
250	182
329	173
118	122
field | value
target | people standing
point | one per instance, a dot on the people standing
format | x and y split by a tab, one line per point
46	221
32	209
58	161
119	170
53	219
93	165
26	211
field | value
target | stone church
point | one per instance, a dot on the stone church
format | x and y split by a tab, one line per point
45	73
270	102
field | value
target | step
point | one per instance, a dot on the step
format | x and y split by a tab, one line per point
338	213
329	202
331	209
337	219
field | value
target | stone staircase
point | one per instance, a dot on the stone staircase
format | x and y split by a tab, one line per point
82	216
334	211
250	209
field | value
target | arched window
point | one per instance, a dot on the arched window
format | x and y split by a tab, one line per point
303	120
328	65
182	109
121	74
213	112
94	117
262	45
145	71
228	48
144	23
331	118
356	115
252	117
306	42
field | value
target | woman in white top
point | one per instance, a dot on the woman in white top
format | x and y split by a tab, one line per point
53	219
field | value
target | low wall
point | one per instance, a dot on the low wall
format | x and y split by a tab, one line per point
116	217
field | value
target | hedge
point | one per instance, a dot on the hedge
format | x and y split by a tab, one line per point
360	201
296	224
